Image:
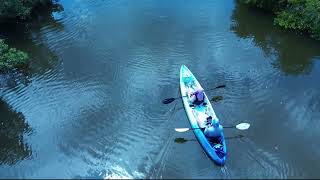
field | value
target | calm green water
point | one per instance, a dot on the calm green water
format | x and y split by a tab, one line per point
90	104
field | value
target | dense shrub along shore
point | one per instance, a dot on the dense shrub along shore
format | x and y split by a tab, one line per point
11	58
302	15
20	9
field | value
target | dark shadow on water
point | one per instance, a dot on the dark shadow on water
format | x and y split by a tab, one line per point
15	31
13	128
291	52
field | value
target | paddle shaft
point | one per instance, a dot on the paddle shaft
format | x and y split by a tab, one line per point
221	86
203	128
206	90
241	126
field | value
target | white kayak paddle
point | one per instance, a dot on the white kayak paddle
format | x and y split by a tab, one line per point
241	126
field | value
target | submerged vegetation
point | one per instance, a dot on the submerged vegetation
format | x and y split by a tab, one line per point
302	15
11	58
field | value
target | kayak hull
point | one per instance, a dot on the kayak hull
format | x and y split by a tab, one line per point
188	83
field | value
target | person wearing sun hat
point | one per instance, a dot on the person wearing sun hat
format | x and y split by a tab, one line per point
197	97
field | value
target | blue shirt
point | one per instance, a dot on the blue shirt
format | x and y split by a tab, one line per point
213	132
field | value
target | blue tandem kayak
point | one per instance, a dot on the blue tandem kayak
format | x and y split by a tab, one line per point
216	149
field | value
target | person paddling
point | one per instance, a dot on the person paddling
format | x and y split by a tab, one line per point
197	97
203	119
214	130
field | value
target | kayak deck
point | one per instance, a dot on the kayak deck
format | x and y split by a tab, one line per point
188	84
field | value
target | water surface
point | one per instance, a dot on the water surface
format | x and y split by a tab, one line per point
90	104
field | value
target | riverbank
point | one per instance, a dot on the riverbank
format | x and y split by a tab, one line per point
19	16
300	15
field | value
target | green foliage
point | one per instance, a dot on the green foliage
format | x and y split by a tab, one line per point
19	8
11	58
273	5
303	15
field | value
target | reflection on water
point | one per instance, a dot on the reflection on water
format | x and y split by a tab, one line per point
285	121
13	129
31	38
291	52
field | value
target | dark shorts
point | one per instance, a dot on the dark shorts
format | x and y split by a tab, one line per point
198	102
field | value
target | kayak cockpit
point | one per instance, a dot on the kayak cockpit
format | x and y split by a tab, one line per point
217	145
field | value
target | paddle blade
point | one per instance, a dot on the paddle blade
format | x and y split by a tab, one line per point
221	86
216	98
180	140
243	126
168	100
181	129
